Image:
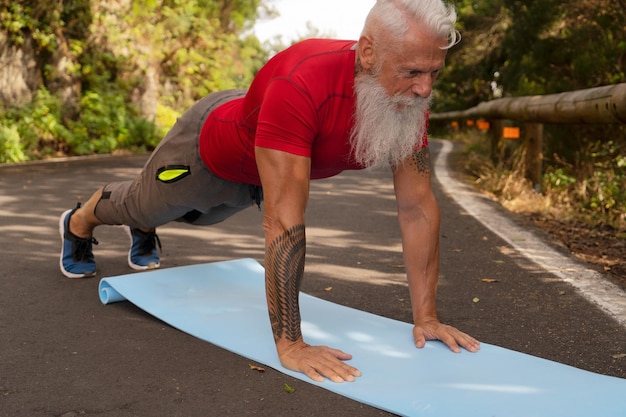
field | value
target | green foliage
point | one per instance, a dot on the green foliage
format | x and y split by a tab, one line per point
18	20
112	53
195	46
606	186
557	179
165	119
105	124
10	146
520	48
592	191
38	125
595	187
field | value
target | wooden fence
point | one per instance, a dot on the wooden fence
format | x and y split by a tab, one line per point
600	105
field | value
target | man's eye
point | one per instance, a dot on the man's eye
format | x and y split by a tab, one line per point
417	73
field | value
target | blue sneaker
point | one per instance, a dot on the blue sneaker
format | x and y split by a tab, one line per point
77	259
143	253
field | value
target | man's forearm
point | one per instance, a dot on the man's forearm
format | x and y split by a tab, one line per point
284	268
423	290
420	243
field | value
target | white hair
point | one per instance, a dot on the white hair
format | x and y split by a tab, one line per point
384	134
393	16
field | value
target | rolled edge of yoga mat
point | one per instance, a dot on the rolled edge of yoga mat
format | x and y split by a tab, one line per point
108	295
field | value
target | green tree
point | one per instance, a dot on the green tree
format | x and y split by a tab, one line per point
516	48
105	70
519	48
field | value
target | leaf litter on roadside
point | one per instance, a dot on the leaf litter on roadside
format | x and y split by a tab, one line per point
256	368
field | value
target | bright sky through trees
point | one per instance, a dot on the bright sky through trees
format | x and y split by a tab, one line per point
343	19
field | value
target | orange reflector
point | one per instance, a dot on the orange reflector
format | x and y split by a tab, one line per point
482	125
469	123
510	133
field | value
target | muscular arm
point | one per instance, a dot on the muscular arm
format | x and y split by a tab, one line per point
418	214
284	269
285	179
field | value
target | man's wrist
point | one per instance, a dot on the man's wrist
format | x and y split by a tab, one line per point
284	346
422	318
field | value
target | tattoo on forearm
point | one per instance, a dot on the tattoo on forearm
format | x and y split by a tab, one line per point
284	270
421	161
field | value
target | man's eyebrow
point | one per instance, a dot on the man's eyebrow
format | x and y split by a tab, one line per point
420	69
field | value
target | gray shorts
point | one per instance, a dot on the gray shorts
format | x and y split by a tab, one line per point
174	184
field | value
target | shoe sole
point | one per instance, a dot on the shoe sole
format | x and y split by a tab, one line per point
62	233
130	262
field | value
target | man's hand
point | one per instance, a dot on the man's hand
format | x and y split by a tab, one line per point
452	337
318	362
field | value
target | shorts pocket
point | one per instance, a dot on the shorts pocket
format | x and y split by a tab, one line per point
172	173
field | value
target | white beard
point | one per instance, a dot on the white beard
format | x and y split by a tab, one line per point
386	129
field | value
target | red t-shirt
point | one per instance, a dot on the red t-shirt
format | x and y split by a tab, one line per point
301	102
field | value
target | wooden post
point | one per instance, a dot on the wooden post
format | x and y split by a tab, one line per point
497	145
533	158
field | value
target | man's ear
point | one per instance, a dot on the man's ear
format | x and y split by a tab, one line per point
367	52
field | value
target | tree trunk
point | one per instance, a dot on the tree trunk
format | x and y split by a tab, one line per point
62	80
20	76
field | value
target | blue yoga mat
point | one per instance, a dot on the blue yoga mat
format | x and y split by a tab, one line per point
220	302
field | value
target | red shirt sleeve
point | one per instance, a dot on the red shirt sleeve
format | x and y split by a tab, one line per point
286	119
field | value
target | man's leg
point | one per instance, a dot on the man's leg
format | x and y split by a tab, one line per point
77	226
83	220
149	201
76	229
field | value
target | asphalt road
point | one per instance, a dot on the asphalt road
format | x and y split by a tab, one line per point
65	354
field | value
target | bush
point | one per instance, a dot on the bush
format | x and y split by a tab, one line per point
165	119
591	191
39	126
105	123
10	147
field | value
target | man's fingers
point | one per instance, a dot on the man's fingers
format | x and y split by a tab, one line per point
331	365
313	374
461	339
319	362
470	343
339	354
419	337
451	343
452	337
448	335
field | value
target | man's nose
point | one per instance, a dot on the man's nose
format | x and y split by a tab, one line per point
423	86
